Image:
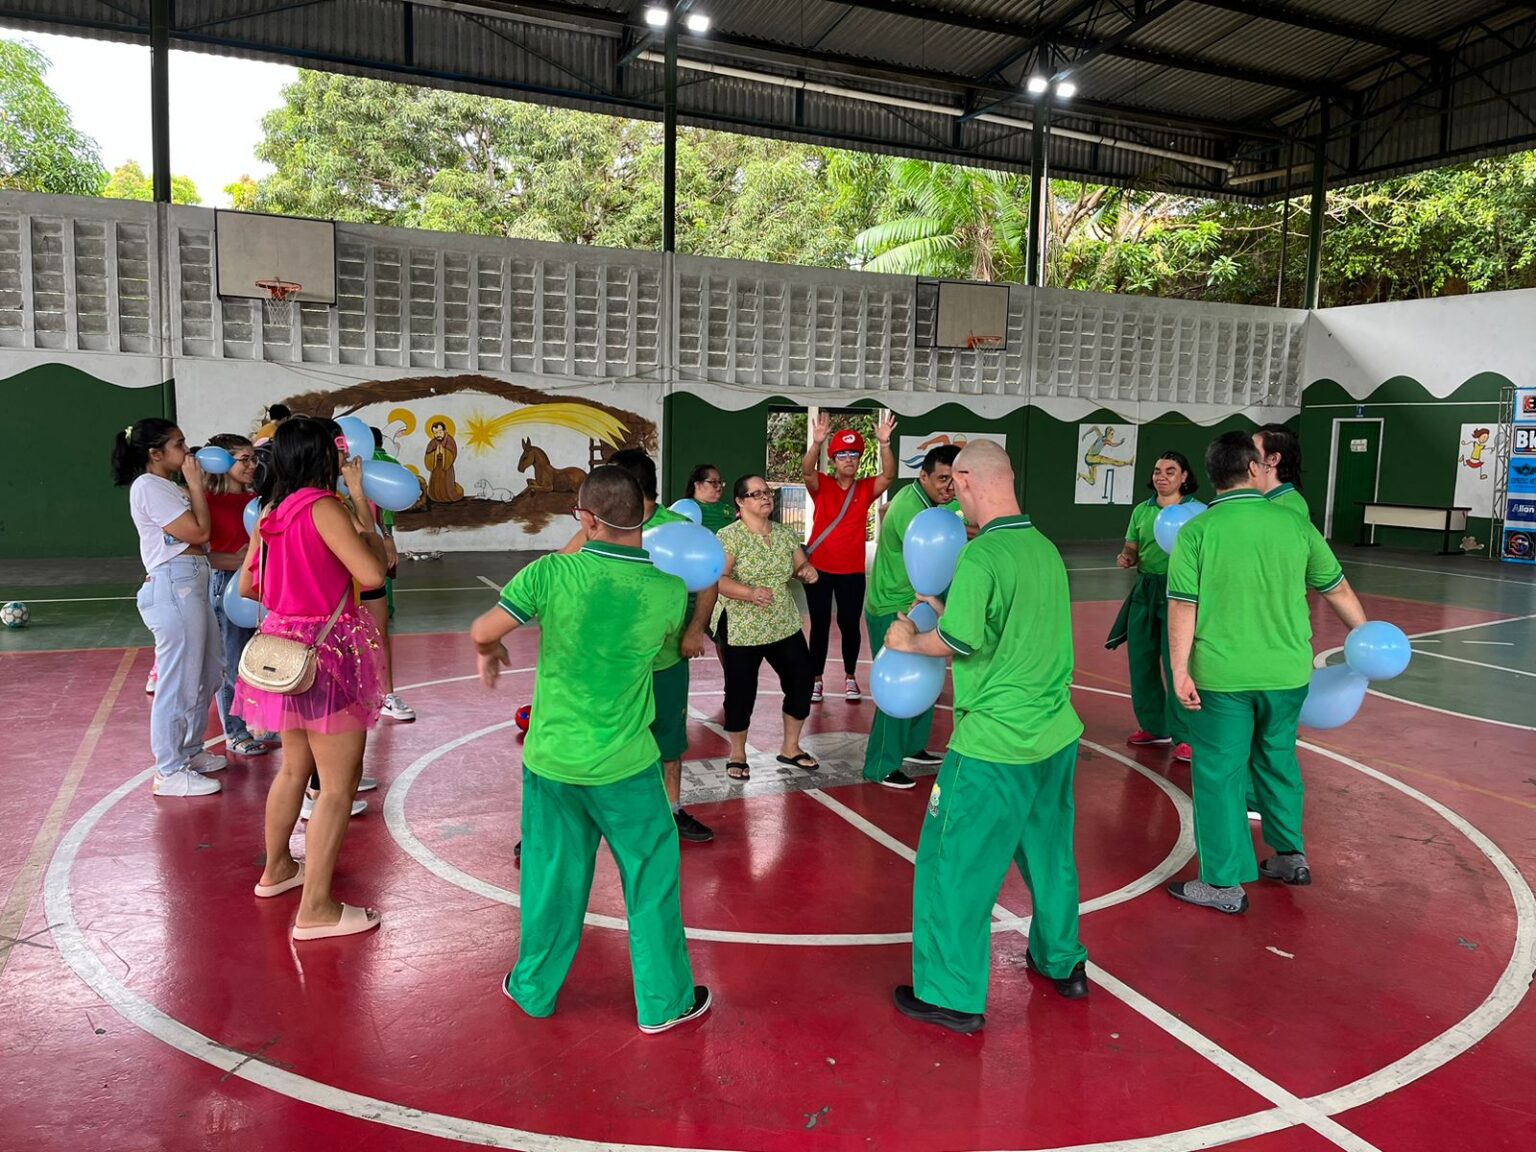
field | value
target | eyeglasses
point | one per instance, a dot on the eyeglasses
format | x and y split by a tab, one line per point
760	494
715	483
578	510
246	458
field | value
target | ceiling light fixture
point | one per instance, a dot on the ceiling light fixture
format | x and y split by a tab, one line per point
1037	84
657	17
1065	89
696	22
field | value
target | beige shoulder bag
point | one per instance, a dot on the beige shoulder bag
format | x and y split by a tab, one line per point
279	665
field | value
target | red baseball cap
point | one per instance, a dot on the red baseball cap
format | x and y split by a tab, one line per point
845	441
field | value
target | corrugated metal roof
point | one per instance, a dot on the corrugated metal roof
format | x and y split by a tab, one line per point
1204	80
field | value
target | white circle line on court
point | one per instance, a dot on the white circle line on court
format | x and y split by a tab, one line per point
82	959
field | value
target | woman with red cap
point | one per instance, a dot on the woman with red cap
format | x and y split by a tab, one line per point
836	548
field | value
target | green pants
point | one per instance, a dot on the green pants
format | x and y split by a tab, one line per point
1235	734
980	817
890	739
562	824
670	726
1142	626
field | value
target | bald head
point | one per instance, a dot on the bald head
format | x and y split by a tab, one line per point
984	482
986	463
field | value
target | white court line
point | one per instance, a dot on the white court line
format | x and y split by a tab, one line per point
1478	663
105	599
1511	582
489	583
1494	643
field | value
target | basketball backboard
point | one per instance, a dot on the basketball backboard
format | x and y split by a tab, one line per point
251	247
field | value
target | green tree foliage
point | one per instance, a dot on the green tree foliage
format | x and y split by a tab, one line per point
130	182
40	148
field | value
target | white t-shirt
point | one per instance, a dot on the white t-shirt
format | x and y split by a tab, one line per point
155	502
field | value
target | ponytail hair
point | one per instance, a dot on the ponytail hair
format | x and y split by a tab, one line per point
132	446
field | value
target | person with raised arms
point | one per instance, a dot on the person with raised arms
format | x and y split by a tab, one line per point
1004	792
591	769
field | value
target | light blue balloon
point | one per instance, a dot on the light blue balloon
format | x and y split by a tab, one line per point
1378	650
923	617
687	551
214	461
359	440
905	684
390	485
690	509
1334	697
240	612
251	514
930	549
1166	527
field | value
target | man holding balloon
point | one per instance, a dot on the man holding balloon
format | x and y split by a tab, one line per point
1004	793
1240	643
893	740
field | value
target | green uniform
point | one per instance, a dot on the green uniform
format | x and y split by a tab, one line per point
890	592
669	683
1005	789
591	771
1287	496
1247	564
1143	626
716	515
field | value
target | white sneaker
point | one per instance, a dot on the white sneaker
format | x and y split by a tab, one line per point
308	808
397	709
851	690
207	763
185	783
816	691
152	683
367	784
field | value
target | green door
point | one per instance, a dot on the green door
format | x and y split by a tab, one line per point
1355	462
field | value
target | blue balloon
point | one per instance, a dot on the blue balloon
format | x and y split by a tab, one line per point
251	514
241	612
930	549
390	485
1166	527
923	617
359	440
1334	697
690	509
905	684
687	551
1378	650
214	461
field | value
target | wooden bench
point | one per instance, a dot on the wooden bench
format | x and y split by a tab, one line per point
1426	517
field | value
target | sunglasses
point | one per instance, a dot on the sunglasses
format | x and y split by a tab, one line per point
845	455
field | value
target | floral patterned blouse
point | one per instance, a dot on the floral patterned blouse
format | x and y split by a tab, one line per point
759	563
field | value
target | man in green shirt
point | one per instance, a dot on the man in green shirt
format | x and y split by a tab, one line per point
1240	641
590	765
1004	793
1281	453
892	741
670	682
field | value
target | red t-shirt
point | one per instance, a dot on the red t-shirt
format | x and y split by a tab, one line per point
226	516
842	552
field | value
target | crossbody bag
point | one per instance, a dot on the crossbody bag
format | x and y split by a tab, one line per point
278	664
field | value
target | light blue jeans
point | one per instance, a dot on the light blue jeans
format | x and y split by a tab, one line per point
173	602
233	640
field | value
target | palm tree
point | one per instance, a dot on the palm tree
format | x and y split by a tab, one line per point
949	221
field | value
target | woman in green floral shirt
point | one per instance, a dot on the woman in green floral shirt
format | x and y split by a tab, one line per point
756	619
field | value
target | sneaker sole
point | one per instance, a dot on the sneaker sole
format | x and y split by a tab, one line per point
699	1011
401	719
902	786
1301	878
1150	743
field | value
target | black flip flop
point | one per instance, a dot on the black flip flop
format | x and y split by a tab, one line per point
746	770
800	761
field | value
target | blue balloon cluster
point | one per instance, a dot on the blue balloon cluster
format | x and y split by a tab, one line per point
1333	697
359	437
687	551
931	548
1171	519
905	684
1376	650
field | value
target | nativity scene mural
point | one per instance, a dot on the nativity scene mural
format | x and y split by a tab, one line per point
485	451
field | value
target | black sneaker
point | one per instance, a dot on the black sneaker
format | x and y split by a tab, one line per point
908	1004
925	758
701	1002
1073	987
1288	868
899	779
690	829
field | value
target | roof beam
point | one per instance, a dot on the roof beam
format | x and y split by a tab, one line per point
1346	29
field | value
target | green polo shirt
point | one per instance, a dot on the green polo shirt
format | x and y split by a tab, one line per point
1150	557
889	589
1288	497
604	614
717	515
673	652
1008	617
1248	562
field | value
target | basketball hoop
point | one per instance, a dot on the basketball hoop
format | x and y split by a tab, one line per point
983	343
278	294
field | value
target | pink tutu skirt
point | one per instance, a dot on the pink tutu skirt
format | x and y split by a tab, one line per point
348	689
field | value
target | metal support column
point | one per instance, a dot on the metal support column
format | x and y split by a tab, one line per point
1315	224
1034	250
669	139
160	98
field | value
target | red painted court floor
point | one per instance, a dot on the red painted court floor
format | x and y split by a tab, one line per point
149	1001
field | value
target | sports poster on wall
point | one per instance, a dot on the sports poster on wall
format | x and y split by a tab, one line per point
1518	545
1479	456
910	450
1105	464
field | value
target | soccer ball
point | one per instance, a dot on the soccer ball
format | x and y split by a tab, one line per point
14	614
524	714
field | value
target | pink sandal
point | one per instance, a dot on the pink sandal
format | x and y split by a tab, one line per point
353	921
295	881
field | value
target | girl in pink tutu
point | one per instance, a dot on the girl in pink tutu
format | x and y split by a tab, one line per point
310	554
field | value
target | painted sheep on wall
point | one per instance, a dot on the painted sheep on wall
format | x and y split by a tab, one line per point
485	451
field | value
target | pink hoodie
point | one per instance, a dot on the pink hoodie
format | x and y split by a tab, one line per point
307	578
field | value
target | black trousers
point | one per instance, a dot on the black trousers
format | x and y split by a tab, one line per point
848	589
788	657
